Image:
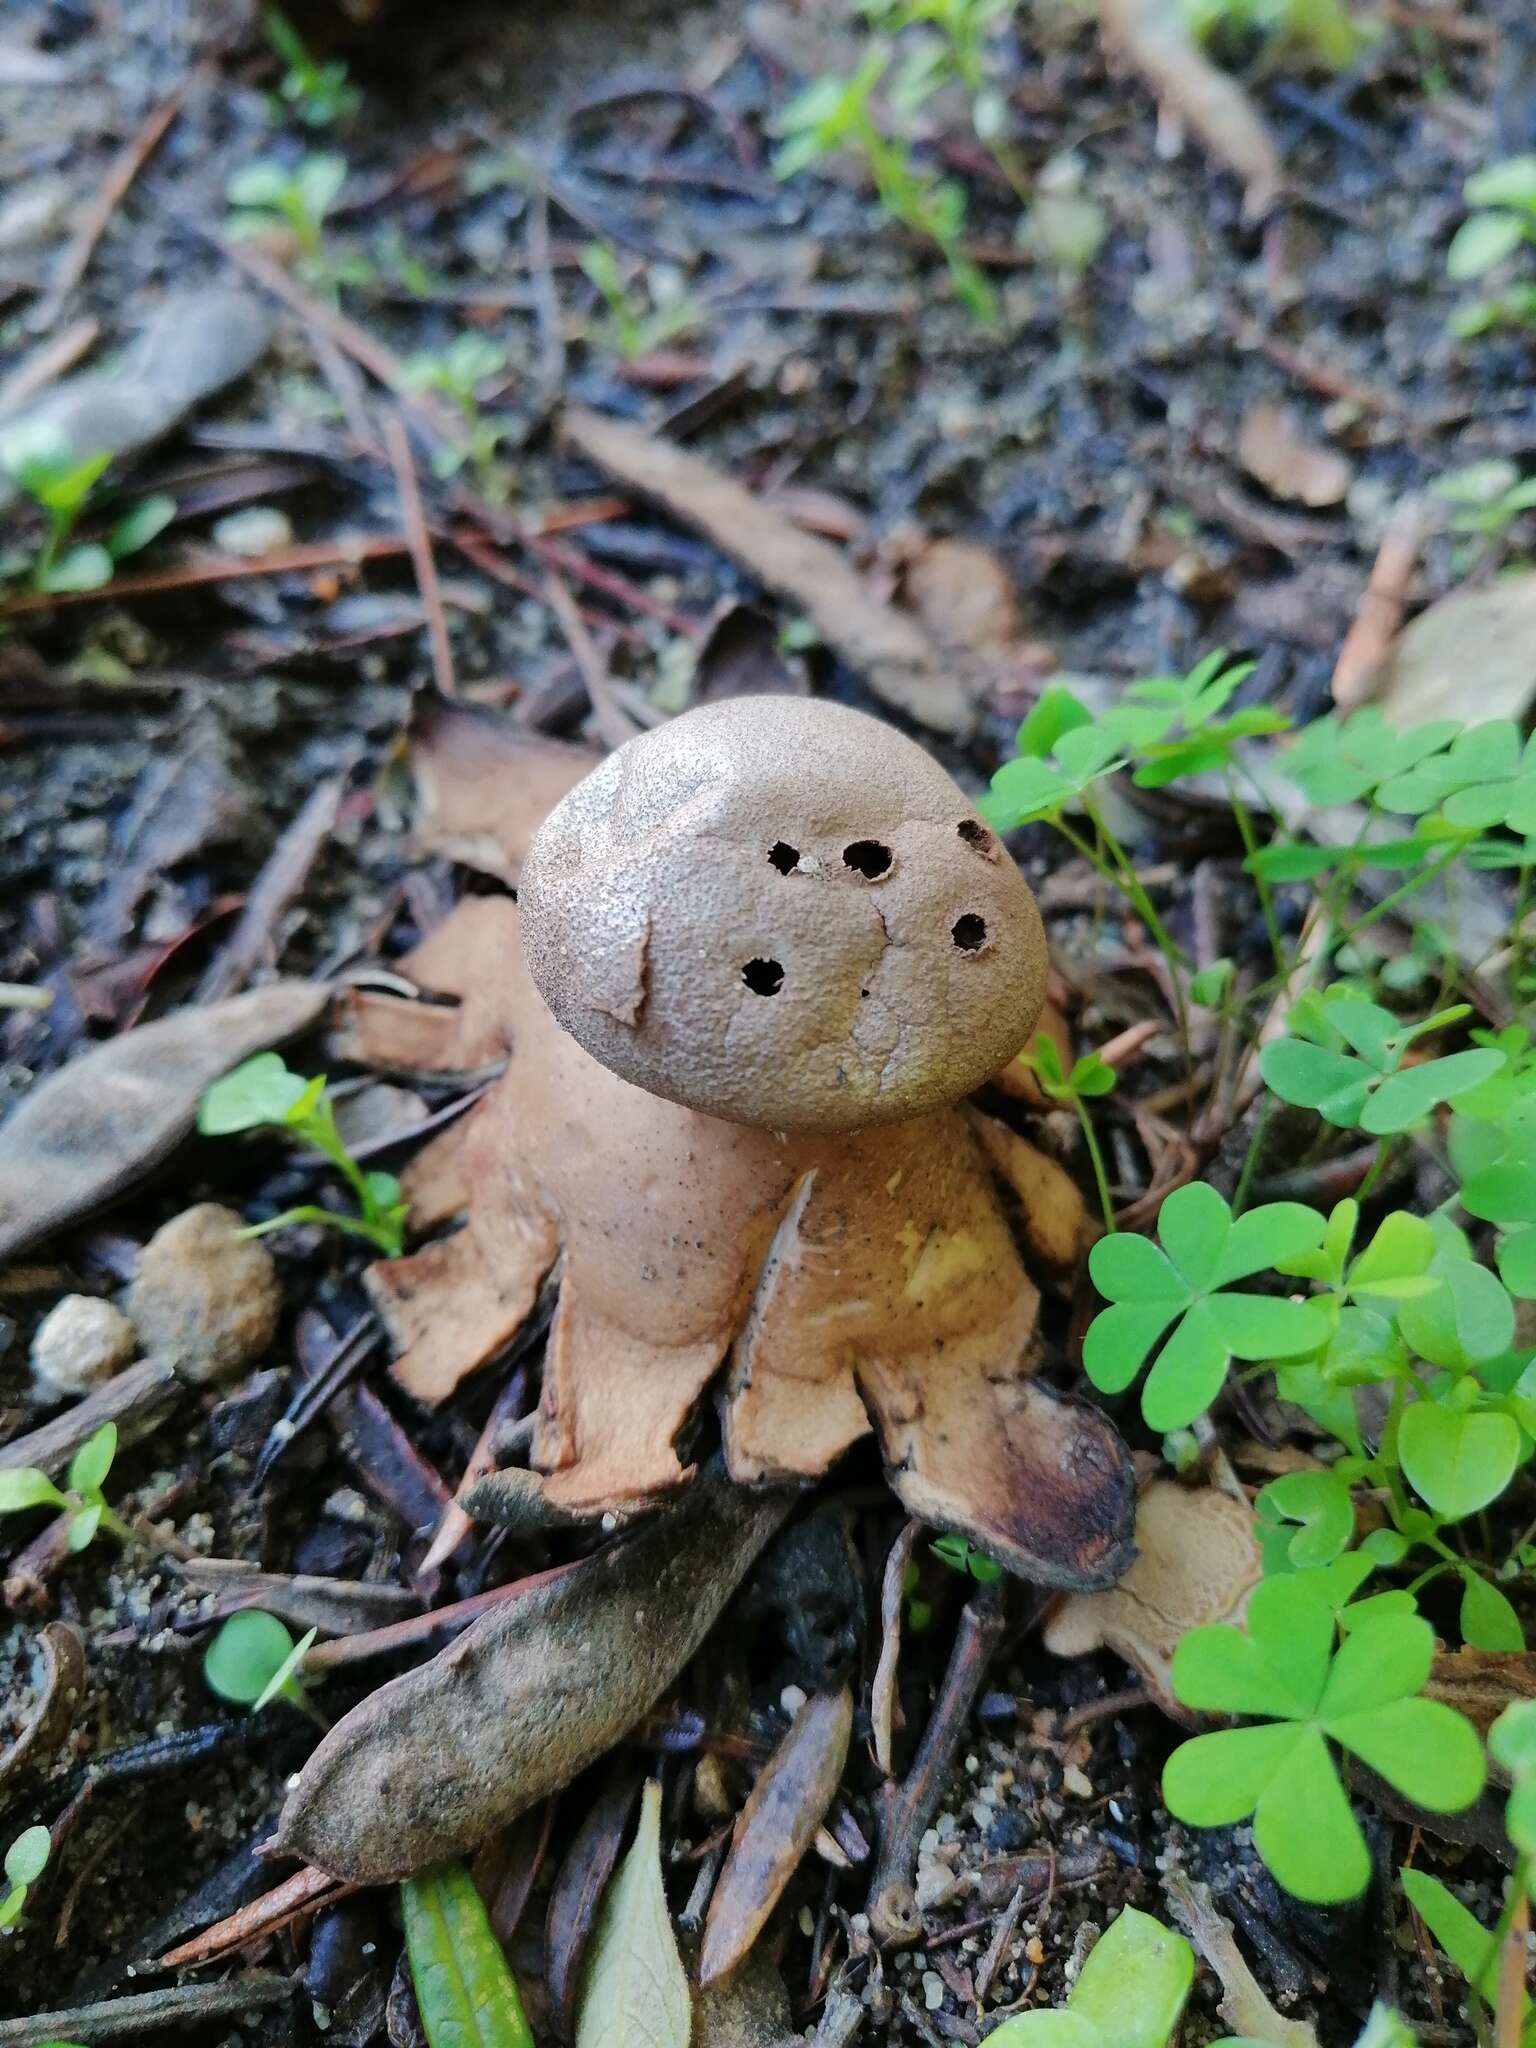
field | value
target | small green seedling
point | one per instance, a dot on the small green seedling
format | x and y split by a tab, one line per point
298	196
25	1862
40	460
1485	498
81	1498
1305	1695
1503	220
639	323
318	93
1130	1992
263	1094
963	1557
1184	1290
1090	1076
253	1660
458	371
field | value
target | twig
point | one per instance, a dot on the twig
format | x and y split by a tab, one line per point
418	1630
905	1810
1379	619
882	1693
282	876
348	552
81	246
613	722
141	2016
987	1968
266	1915
403	463
47	363
456	1524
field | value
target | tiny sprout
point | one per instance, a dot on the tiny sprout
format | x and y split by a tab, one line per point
263	1093
1089	1076
318	93
25	1862
81	1499
301	196
40	459
963	1557
253	1660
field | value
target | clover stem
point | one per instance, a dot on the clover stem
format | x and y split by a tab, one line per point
1251	848
1349	932
1383	1151
1517	926
1251	1156
1096	1158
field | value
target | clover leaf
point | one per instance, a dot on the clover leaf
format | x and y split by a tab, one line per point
1035	787
1342	760
1457	1458
1497	1165
1485	778
1305	1695
1323	1506
253	1660
1367	1086
1180	1289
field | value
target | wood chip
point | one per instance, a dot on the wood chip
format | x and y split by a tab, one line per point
1274	449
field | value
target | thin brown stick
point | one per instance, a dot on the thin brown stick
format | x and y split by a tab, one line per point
613	721
1380	616
81	246
47	363
420	1629
404	465
259	1917
456	1524
348	552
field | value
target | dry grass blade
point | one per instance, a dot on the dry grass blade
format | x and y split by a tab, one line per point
273	1911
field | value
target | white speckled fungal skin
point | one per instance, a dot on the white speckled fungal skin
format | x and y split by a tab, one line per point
782	912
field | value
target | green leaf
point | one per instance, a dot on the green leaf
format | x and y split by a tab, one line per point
1482	240
1412	1095
1305	1831
634	1992
1279	1666
1469	1945
83	1526
1129	1268
261	1090
465	1991
1488	1621
139	525
1512	1739
87	567
1214	1781
1457	1461
1383	1660
1315	1077
1322	1503
249	1650
1517	1263
1401	1251
27	1857
11	1905
25	1487
90	1465
1510	182
1193	1224
284	1679
1119	1339
1045	2029
1264	1326
1267	1235
1187	1373
1470	1317
1133	1986
1056	711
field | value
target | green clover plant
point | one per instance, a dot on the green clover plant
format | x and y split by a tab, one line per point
1089	1076
1346	1057
1184	1290
299	196
1304	1697
262	1093
80	1498
1503	221
319	93
25	1862
635	327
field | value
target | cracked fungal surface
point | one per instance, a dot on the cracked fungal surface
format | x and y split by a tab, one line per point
761	955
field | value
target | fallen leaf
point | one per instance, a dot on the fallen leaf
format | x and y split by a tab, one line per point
1481	1684
741	657
484	785
635	1994
465	1991
97	1126
1488	634
542	1685
1196	1562
55	1711
195	344
577	1893
775	1828
1154	38
1274	449
888	648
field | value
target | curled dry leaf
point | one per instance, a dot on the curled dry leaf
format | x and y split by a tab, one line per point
888	648
541	1686
635	1994
102	1122
1155	39
1274	448
55	1711
775	1828
195	344
1196	1562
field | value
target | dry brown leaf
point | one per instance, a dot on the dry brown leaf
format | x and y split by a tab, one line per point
1481	1684
774	1830
887	647
55	1711
1273	447
430	1764
102	1122
1153	37
1471	656
577	1892
485	785
1196	1562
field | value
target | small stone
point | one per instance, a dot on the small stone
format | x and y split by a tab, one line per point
1034	1950
79	1343
205	1299
1077	1782
256	531
933	1990
792	1699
